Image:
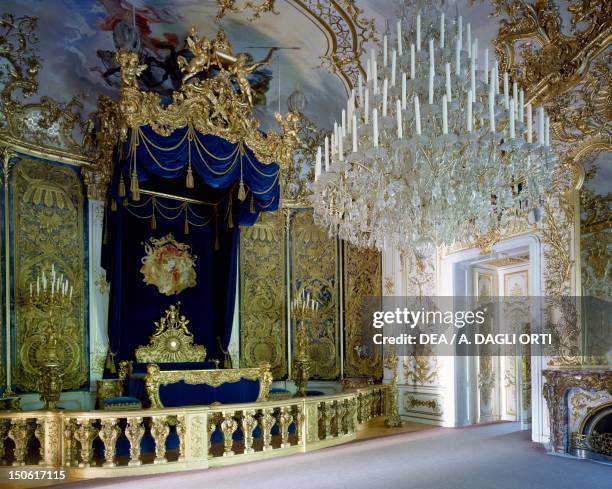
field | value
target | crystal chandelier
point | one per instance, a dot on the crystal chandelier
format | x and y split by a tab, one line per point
436	146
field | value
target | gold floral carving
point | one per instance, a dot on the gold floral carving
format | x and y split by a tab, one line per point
258	7
262	294
48	228
314	271
197	437
362	277
412	402
155	378
172	341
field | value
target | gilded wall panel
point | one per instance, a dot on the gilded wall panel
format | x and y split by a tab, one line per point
262	294
48	228
362	277
314	269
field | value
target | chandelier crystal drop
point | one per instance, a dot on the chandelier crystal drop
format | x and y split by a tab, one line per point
435	146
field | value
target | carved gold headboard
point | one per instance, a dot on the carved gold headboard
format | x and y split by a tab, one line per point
172	341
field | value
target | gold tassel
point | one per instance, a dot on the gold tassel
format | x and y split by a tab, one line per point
230	219
153	221
189	182
241	192
113	205
252	207
121	186
134	186
110	363
186	227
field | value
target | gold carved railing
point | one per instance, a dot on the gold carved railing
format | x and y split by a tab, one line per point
85	443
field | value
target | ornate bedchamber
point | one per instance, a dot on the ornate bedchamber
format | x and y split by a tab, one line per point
164	402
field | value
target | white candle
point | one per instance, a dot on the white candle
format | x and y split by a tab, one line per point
71	292
52	287
486	66
492	109
460	30
512	129
442	31
349	111
366	107
515	96
398	112
400	49
412	62
547	132
375	77
431	70
475	49
457	57
529	124
385	48
354	134
360	88
418	32
326	153
38	285
469	40
318	164
506	90
521	106
385	92
444	115
417	115
375	126
497	77
343	126
368	72
541	126
469	111
431	86
432	58
404	91
393	65
447	70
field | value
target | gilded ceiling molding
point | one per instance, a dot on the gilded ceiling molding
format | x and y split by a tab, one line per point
258	8
348	32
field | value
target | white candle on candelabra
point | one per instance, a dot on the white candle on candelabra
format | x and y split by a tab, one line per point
547	132
417	115
52	287
412	62
393	65
506	91
400	49
385	91
398	112
375	126
375	78
343	124
431	70
385	49
368	71
442	31
521	106
541	126
354	134
457	57
70	292
366	107
318	164
404	91
492	109
431	87
460	30
469	110
475	49
418	32
444	115
360	88
326	153
529	124
44	281
512	129
333	145
515	96
447	71
496	77
37	285
486	66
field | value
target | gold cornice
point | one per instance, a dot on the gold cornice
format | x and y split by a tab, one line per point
44	152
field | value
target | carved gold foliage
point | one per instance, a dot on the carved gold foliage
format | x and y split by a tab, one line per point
48	228
262	294
314	271
362	277
257	7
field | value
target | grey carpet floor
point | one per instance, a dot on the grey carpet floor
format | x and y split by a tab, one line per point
495	456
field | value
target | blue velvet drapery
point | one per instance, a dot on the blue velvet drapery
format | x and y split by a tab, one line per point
222	172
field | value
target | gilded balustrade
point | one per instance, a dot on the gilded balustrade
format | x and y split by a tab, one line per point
93	443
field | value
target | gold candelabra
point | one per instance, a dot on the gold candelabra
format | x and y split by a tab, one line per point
52	296
393	418
303	309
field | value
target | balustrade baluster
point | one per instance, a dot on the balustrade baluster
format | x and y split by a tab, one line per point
267	421
18	432
85	435
134	431
39	433
249	423
298	416
284	420
228	428
160	431
181	429
4	429
69	442
109	433
327	420
341	417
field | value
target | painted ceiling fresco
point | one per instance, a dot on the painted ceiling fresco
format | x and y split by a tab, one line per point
78	40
